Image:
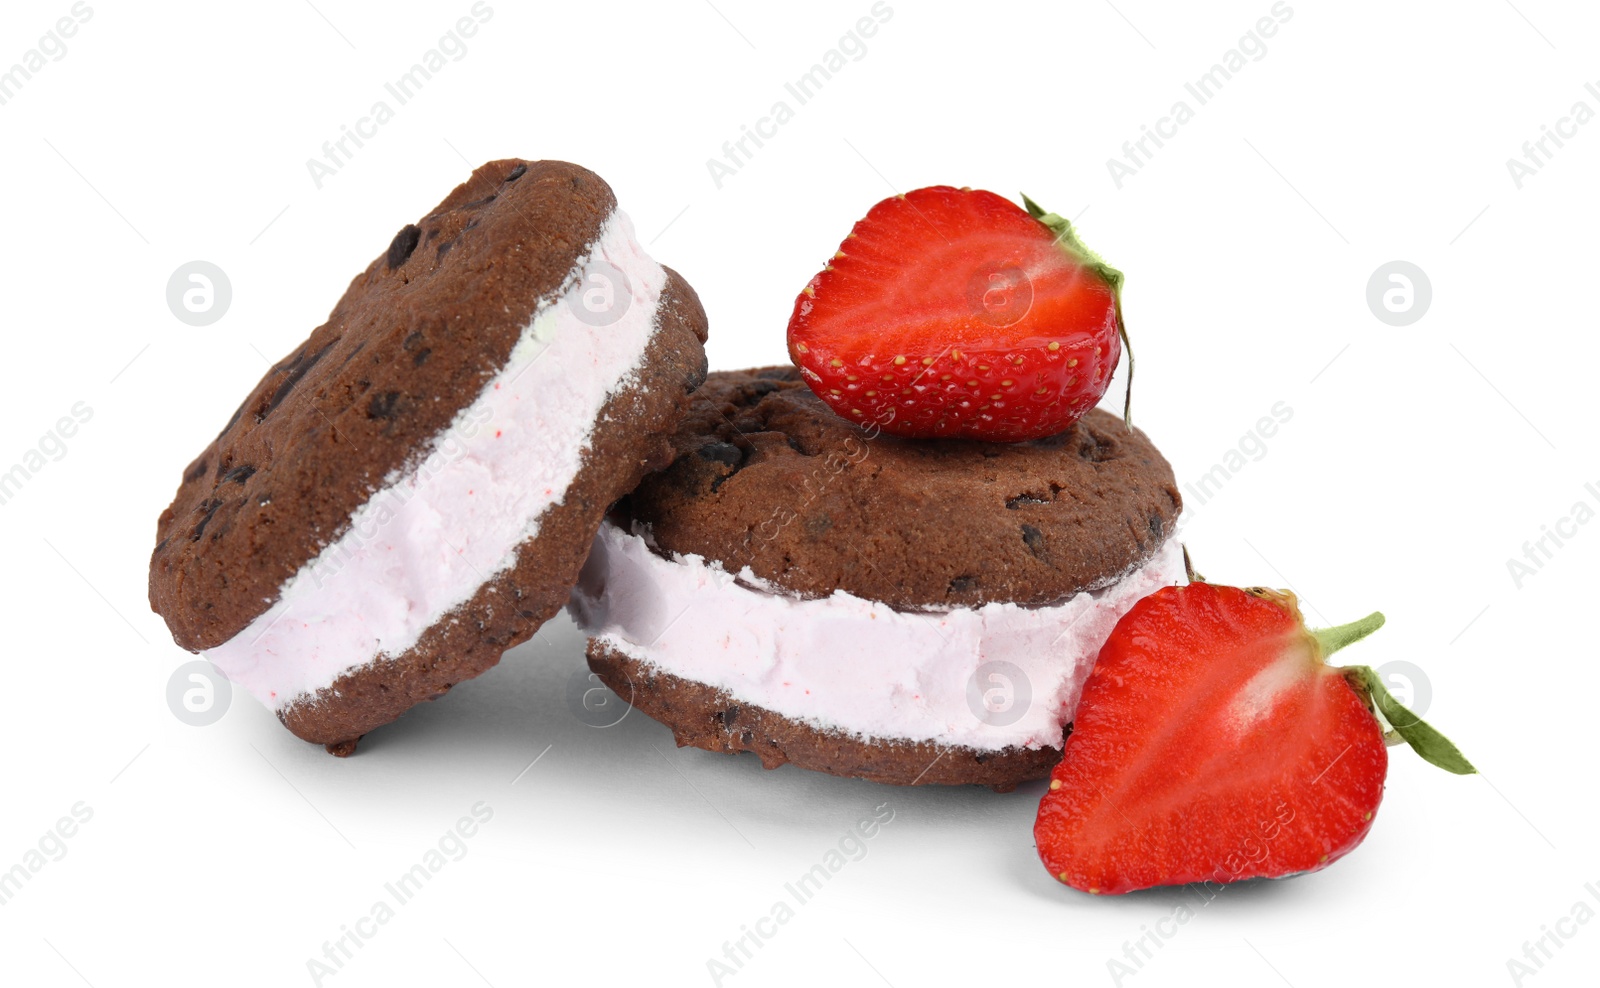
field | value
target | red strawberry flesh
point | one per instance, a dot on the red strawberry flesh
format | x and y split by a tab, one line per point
953	312
1211	744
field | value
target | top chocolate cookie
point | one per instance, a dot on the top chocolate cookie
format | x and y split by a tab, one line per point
412	342
770	478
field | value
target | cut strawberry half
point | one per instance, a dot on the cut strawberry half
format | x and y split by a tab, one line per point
955	313
1213	744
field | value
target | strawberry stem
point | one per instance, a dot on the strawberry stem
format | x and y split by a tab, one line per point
1067	238
1188	568
1332	639
1424	739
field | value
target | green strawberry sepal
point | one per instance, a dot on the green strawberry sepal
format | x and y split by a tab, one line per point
1424	738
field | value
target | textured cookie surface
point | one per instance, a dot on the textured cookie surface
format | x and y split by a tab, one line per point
704	717
411	342
769	477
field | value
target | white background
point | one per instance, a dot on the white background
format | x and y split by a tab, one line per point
1419	459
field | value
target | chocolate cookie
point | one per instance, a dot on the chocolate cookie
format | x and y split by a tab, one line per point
414	489
910	611
704	717
770	478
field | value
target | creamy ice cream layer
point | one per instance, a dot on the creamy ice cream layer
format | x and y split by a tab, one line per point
455	517
986	678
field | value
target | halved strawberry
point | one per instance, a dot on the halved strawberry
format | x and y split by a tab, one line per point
952	312
1213	744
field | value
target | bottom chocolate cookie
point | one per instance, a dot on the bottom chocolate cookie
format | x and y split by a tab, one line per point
705	717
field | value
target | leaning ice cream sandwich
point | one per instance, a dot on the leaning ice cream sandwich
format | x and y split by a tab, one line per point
413	489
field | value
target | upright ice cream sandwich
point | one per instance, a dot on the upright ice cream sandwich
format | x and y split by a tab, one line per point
909	611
